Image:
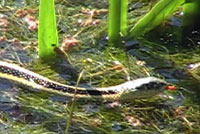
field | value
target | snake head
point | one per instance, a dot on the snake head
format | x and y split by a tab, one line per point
144	88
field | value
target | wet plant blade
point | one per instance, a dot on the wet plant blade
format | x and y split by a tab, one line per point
123	19
47	34
117	22
162	10
191	19
191	11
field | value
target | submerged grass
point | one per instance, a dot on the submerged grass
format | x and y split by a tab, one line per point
36	112
109	67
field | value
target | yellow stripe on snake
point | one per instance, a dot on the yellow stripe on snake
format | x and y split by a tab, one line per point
139	88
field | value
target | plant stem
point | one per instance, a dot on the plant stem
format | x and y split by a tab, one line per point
47	33
191	19
73	105
117	23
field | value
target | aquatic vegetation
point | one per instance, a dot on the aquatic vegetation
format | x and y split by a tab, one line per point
190	19
161	11
118	19
24	111
117	23
47	32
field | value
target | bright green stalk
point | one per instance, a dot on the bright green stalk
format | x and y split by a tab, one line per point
162	10
191	15
114	22
47	34
123	19
191	10
117	23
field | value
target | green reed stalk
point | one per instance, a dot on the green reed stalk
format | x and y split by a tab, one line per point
191	18
47	33
117	23
123	19
191	12
161	11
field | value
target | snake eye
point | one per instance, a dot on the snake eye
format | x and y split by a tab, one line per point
170	87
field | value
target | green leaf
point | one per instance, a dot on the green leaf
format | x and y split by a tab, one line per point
161	11
47	34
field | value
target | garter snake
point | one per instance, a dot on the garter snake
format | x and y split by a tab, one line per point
139	88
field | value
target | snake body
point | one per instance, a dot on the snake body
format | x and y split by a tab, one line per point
139	88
